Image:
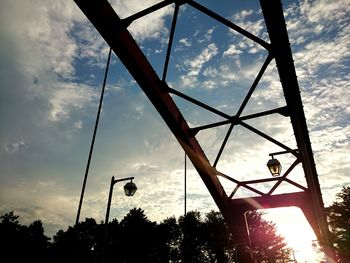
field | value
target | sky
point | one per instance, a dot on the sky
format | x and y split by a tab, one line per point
52	66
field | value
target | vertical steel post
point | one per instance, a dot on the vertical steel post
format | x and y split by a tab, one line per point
281	51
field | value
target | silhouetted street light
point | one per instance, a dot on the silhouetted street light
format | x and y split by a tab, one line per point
274	166
129	189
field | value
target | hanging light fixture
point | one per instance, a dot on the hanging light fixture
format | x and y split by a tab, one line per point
274	166
130	189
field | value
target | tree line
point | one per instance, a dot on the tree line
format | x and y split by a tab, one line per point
192	238
135	238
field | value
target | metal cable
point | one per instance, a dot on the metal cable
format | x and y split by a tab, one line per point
93	137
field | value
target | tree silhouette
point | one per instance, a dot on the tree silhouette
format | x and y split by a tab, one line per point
339	220
191	239
138	239
77	244
192	245
266	245
218	238
21	243
171	235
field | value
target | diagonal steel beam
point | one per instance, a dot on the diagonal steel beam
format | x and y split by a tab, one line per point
110	26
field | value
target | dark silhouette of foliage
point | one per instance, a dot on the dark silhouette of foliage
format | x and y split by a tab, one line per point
21	243
192	245
218	238
339	220
266	245
170	237
135	238
77	244
138	234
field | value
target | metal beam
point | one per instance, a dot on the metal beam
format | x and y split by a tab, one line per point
110	26
298	199
280	48
239	224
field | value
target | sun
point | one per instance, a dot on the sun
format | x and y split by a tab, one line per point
294	227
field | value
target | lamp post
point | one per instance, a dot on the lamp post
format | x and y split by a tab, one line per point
251	253
129	189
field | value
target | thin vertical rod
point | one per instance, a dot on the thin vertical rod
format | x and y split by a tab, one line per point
171	38
185	186
249	238
93	137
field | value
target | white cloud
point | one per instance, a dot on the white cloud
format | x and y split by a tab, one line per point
319	11
240	16
185	41
320	53
144	167
209	33
227	73
210	72
244	20
310	19
67	96
195	65
41	34
232	51
45	51
14	147
321	60
90	45
78	124
150	26
253	23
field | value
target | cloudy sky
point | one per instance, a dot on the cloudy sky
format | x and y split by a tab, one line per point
52	65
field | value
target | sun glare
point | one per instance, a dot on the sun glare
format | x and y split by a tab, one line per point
294	227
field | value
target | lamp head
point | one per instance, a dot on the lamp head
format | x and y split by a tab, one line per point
130	189
274	166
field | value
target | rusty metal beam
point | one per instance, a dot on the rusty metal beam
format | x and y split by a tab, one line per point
280	48
238	221
240	206
298	199
110	26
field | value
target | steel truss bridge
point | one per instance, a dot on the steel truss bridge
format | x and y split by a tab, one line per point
308	198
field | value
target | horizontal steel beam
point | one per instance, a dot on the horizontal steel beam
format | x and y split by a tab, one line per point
240	206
